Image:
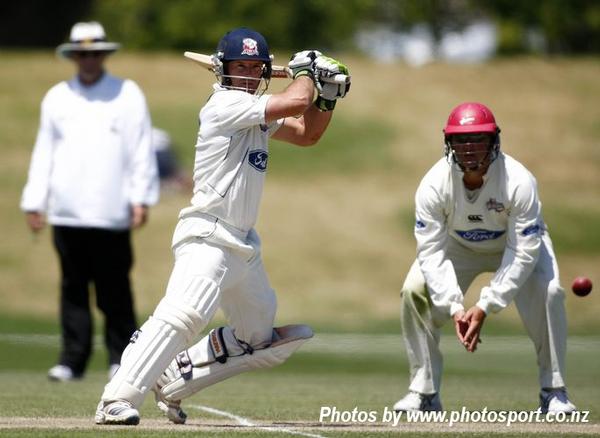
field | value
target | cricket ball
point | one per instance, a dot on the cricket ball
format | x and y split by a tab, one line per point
582	286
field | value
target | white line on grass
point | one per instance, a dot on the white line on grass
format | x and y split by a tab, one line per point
245	422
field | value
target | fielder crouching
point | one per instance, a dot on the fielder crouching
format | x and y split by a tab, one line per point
477	210
217	251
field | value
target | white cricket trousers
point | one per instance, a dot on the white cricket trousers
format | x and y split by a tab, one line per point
540	304
214	267
245	295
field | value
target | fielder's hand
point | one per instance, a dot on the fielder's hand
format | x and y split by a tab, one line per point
303	63
474	318
460	325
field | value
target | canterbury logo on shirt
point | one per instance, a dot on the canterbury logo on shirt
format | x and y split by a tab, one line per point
258	159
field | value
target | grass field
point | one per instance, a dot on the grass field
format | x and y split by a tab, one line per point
336	224
346	371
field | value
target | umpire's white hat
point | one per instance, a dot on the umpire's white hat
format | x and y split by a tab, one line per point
87	37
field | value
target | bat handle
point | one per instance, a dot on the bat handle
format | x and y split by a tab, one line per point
339	79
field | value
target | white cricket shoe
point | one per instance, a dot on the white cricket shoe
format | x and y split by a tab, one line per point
117	412
414	401
172	409
61	373
555	400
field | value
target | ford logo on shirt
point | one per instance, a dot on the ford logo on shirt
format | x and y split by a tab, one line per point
479	235
258	159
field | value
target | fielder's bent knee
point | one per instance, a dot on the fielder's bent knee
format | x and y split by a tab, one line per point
417	299
555	293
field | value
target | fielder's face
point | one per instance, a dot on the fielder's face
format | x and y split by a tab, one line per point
245	75
472	152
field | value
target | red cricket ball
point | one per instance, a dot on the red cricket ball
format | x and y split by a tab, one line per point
582	286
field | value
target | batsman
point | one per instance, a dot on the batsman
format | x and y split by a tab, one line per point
217	251
478	210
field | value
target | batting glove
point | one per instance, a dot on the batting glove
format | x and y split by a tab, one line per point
303	63
333	78
333	82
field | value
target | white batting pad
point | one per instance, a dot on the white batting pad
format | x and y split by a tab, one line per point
286	340
176	321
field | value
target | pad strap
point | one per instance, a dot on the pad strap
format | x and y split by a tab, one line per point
185	364
217	345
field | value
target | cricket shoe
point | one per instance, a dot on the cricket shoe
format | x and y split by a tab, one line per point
415	401
61	373
555	400
172	409
116	412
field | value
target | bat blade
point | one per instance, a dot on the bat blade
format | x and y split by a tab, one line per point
206	61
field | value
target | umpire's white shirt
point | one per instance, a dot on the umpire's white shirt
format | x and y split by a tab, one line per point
93	156
231	162
503	216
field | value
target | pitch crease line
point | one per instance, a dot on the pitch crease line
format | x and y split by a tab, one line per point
245	422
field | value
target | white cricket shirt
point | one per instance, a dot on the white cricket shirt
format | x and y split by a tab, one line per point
504	217
231	158
93	156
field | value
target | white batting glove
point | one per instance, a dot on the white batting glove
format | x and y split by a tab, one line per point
303	63
332	77
333	82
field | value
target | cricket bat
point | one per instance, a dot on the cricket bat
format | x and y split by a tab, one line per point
277	71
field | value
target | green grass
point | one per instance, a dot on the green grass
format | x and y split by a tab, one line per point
345	371
346	148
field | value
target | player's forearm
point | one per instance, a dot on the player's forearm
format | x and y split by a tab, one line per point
292	101
315	123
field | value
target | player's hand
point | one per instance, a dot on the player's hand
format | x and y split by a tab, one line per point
332	77
35	220
139	215
460	326
474	318
303	63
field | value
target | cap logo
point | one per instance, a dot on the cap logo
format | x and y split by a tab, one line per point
249	47
466	119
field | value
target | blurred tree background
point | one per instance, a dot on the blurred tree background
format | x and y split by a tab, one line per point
566	26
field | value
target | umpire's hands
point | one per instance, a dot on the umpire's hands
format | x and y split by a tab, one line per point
303	63
35	220
139	215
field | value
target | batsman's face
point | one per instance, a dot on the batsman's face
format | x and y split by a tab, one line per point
245	75
472	152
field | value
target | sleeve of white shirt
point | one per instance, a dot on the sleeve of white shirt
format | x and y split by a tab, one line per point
431	232
144	183
35	193
523	243
229	111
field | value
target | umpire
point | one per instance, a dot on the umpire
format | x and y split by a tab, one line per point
92	175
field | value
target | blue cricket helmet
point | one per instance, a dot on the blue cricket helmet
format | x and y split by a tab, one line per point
244	44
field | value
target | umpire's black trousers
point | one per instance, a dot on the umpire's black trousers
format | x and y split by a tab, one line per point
103	257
